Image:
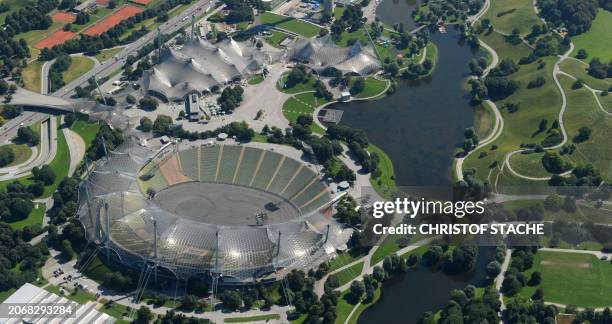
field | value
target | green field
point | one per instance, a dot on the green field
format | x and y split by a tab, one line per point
598	40
509	14
107	54
386	181
297	26
79	66
85	129
256	79
503	48
578	69
341	260
22	153
529	164
582	110
572	278
521	126
348	274
257	318
303	104
373	88
308	85
35	217
31	76
276	38
14	5
483	120
584	213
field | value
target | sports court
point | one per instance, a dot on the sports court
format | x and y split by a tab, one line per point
57	38
109	22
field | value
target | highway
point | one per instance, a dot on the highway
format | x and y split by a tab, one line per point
109	66
9	130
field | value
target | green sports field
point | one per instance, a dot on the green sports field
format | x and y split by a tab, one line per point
290	24
573	278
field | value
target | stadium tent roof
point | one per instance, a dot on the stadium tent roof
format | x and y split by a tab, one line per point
321	53
200	65
186	247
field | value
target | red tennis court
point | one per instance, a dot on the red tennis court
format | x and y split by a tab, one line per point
57	38
109	22
141	2
64	16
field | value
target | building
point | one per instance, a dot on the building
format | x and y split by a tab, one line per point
192	107
32	295
85	6
345	96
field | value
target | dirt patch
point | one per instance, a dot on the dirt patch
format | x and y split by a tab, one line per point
171	170
57	38
64	16
565	318
582	265
109	22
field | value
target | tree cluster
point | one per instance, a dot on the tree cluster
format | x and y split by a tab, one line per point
575	15
465	307
230	98
600	70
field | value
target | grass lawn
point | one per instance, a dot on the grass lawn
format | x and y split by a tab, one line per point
579	70
598	40
506	15
582	110
386	180
78	295
115	310
22	153
297	26
80	65
266	317
85	129
307	85
5	294
256	79
572	278
350	273
373	88
303	104
276	38
342	259
34	36
344	307
389	246
107	53
31	76
503	48
529	164
35	217
483	120
14	5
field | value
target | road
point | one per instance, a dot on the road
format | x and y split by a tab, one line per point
108	67
9	130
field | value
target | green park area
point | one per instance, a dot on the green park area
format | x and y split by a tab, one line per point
108	53
578	69
22	153
532	106
306	85
385	183
79	66
35	218
346	305
585	212
583	111
373	88
346	275
31	76
507	15
572	279
290	24
343	259
598	40
303	104
276	38
259	78
85	129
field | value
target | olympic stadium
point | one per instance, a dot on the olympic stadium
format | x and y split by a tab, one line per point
238	213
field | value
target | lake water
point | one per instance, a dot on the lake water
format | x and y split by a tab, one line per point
397	11
420	125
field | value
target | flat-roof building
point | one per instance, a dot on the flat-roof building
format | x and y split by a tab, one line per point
192	107
85	6
33	295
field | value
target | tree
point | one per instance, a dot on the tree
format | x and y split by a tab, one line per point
493	269
143	315
6	155
232	299
358	86
553	202
189	302
357	289
69	119
535	279
582	54
146	124
554	163
27	135
67	250
162	124
44	174
148	103
130	99
584	133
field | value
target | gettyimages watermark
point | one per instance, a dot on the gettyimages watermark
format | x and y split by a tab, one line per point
520	216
